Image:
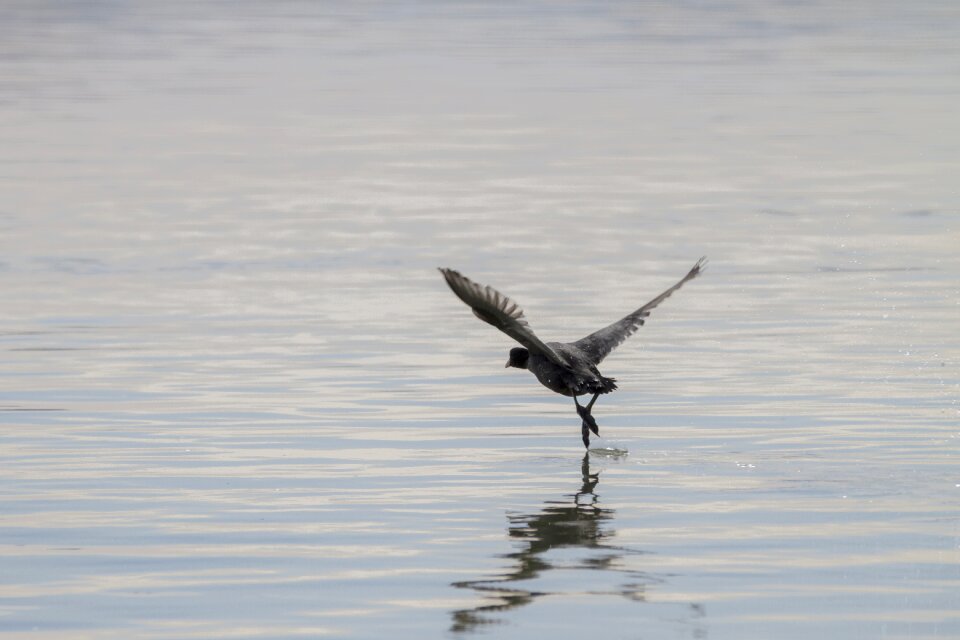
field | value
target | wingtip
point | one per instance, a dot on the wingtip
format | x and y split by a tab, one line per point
456	281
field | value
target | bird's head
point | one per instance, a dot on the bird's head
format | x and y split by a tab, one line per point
518	358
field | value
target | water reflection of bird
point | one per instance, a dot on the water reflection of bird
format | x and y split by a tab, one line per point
577	521
568	368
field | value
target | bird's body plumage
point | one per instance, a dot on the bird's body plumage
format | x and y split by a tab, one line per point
578	378
570	368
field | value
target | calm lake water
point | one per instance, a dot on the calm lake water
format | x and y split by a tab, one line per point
238	401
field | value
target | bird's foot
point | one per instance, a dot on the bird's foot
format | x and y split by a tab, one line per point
585	430
588	420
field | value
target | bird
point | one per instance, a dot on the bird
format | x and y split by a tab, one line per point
567	368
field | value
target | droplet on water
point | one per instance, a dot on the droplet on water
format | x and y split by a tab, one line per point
610	452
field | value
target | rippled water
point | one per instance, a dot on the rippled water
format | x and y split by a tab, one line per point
237	399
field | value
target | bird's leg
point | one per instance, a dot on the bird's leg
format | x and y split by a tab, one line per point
584	429
586	415
589	424
592	400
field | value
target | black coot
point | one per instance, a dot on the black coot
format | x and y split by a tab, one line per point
569	368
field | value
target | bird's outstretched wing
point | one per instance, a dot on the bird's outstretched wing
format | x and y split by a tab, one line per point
599	344
493	307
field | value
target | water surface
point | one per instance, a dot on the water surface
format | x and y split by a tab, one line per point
238	400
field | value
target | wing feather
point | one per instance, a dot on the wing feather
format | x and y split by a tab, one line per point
494	308
599	344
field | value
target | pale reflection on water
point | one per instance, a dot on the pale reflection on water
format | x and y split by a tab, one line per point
238	400
576	524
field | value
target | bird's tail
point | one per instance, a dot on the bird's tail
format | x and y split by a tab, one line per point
608	384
